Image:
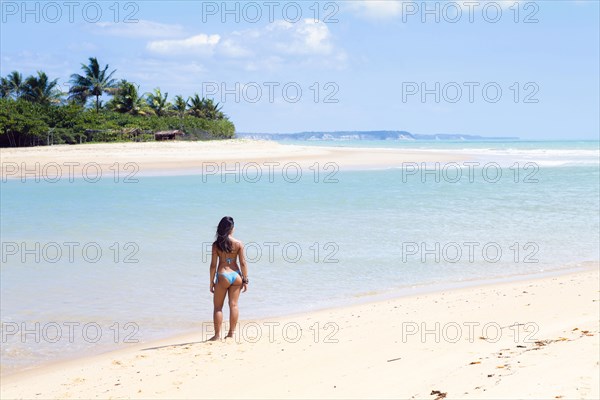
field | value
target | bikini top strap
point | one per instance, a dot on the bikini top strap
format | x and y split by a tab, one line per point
222	255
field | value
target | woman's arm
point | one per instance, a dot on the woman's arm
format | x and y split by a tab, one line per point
213	267
244	266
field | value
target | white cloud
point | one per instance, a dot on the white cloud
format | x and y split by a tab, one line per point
376	9
201	44
278	39
234	49
269	47
302	38
388	9
140	29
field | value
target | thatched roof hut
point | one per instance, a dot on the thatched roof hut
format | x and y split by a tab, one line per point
168	135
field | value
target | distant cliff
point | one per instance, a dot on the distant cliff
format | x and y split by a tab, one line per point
365	135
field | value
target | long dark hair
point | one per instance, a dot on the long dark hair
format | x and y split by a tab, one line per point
223	231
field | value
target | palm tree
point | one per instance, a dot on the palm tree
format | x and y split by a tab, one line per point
195	105
4	88
128	101
204	108
213	111
94	82
13	85
39	89
180	105
158	102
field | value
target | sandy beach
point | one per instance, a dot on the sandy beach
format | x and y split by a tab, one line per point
534	338
529	338
178	157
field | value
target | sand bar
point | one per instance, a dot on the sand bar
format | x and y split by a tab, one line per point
185	157
536	338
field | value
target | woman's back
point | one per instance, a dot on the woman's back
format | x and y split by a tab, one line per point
228	259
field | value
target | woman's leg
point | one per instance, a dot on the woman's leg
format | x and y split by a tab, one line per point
233	295
219	299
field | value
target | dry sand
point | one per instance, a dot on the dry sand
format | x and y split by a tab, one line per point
536	338
176	157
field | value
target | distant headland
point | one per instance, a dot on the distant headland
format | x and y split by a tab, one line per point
368	135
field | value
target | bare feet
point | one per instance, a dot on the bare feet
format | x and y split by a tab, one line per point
213	339
229	335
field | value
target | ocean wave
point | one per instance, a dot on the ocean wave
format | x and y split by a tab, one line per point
542	157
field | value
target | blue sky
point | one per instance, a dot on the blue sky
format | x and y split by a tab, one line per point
360	65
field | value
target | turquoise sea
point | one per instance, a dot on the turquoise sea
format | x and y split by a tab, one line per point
130	260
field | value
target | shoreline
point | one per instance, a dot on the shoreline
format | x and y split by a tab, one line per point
17	382
184	158
356	300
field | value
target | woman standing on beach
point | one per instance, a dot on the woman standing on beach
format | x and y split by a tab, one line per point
225	275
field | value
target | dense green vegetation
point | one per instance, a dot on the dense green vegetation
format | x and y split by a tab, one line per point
33	111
